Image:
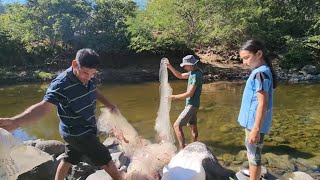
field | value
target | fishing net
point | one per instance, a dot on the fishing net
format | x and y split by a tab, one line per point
147	159
163	125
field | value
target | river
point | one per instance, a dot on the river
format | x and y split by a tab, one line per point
295	129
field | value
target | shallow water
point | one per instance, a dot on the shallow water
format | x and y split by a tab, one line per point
295	130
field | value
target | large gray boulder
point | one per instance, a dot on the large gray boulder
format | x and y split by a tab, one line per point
44	171
51	147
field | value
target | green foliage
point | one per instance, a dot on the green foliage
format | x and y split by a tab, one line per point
43	31
107	31
297	54
51	28
169	25
43	75
11	51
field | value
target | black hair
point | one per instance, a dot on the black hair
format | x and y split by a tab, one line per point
254	46
87	58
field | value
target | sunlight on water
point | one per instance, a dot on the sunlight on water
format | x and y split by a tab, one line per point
295	128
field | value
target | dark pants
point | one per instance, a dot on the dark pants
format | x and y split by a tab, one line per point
89	145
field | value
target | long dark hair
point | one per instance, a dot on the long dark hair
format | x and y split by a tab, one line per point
254	46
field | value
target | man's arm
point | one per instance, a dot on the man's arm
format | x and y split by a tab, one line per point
185	95
105	101
33	113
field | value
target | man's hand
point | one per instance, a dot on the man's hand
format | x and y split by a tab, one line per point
113	108
254	136
8	124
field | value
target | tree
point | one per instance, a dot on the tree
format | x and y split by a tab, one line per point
108	29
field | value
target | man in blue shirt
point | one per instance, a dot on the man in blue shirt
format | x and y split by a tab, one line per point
74	94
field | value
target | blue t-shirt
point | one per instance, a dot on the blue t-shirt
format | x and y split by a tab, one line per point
260	79
195	78
76	103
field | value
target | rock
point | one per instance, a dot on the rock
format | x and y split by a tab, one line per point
296	176
293	80
80	171
100	174
214	170
51	147
309	69
279	140
120	159
225	128
305	165
281	162
44	171
242	156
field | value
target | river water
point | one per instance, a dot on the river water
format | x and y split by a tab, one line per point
295	129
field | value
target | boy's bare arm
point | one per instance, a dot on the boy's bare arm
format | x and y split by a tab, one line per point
185	95
176	72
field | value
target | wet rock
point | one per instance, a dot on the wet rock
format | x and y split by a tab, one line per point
296	176
241	156
225	128
279	140
305	165
281	162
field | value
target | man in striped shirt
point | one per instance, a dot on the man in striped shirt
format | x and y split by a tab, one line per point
74	94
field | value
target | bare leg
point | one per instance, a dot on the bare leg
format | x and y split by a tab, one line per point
62	170
179	134
255	172
194	132
113	171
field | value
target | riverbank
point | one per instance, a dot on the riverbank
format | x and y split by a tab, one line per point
215	68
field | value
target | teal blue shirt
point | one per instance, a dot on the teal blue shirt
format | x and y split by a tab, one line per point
260	79
195	78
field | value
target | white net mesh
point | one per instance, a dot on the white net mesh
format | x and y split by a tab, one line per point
147	159
163	125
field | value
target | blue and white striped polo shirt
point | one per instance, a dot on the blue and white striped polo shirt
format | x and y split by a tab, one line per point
260	79
76	103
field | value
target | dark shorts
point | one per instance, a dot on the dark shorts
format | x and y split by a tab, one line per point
188	116
88	145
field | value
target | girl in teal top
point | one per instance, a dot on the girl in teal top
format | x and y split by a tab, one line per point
257	102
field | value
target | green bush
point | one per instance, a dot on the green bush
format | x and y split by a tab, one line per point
297	55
